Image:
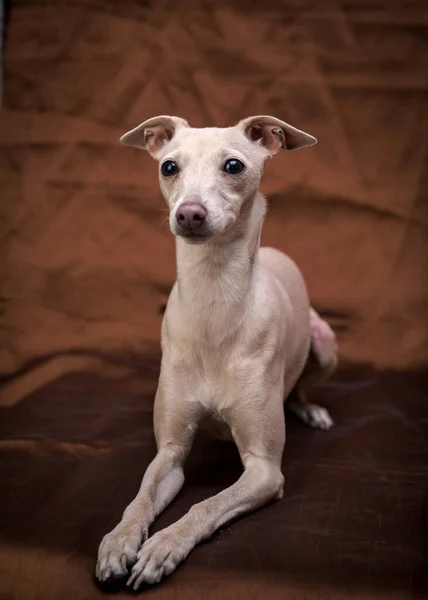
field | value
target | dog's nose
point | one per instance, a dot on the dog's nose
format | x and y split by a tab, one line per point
191	215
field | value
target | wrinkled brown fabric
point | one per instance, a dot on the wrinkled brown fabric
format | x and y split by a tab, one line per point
87	262
352	523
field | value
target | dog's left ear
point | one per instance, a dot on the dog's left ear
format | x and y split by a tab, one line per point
154	133
274	134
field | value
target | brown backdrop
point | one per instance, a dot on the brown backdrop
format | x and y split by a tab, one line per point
86	263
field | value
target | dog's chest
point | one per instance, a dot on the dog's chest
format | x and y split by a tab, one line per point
218	376
209	372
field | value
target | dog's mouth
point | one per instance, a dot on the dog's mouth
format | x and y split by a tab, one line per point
194	237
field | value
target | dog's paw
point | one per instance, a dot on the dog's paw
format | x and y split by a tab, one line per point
118	551
159	556
311	414
316	416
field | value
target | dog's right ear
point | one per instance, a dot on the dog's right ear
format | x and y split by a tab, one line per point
154	133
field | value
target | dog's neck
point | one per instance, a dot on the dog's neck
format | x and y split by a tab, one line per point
214	279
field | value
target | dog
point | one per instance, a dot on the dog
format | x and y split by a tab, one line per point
239	337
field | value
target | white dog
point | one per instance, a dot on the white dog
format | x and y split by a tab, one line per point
237	337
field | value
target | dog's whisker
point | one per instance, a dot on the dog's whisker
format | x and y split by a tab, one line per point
163	220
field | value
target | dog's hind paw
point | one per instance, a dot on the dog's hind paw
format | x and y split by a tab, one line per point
311	414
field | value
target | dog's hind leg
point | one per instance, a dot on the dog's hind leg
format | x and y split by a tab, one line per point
322	361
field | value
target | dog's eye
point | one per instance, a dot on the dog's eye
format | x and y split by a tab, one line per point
233	166
169	168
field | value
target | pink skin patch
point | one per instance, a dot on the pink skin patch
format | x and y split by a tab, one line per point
324	343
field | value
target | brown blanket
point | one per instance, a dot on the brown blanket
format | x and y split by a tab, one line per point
87	262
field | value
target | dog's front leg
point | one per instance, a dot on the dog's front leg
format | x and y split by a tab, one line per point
260	438
175	424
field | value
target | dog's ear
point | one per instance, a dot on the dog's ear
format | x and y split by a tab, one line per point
153	133
274	134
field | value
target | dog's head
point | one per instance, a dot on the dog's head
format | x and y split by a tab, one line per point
208	175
